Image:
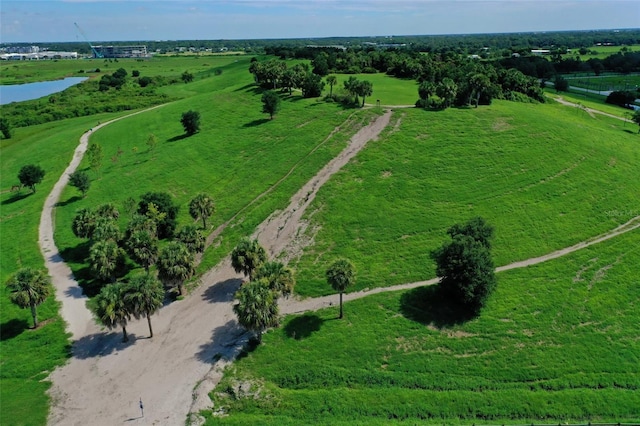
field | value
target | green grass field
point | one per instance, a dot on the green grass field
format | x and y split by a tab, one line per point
558	342
18	72
546	176
608	82
389	90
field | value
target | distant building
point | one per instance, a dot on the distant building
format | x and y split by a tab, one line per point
540	51
47	54
122	51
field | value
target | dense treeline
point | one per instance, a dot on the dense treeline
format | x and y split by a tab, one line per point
112	93
460	43
445	79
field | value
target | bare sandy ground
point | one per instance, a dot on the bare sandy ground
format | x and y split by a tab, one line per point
196	337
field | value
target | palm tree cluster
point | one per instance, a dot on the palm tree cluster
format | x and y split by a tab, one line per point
257	307
116	303
175	262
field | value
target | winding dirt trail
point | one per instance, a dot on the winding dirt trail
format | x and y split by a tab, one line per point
105	379
196	337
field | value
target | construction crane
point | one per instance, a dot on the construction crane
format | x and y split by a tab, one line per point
96	54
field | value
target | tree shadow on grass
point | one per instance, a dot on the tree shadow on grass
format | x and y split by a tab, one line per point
431	305
255	123
16	197
632	132
178	138
12	328
251	87
69	201
303	326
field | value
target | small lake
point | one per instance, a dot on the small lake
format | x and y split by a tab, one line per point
28	91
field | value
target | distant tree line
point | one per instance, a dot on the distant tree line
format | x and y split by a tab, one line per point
459	43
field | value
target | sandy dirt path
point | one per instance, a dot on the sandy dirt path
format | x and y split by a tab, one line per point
73	309
105	379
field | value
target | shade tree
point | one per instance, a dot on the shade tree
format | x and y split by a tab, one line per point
81	181
31	175
190	122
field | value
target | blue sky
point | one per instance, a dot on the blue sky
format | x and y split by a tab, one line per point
111	20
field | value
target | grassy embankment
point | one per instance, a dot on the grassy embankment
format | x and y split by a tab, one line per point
238	154
557	342
546	176
27	356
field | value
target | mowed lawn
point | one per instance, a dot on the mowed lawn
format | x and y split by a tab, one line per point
545	176
388	90
557	342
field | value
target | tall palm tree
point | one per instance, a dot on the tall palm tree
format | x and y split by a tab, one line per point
340	275
175	265
105	260
257	307
143	248
202	207
280	278
110	308
247	256
143	296
29	288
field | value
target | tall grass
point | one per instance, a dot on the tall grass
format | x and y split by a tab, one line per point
557	342
545	176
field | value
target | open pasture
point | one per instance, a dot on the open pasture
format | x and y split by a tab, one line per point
545	176
556	343
389	90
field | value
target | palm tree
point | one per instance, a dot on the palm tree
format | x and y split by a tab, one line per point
447	89
105	260
202	207
340	275
191	237
175	265
143	248
105	228
110	308
84	223
279	277
479	83
331	81
144	296
29	288
248	256
257	307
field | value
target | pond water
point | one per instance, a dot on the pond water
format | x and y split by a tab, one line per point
28	91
